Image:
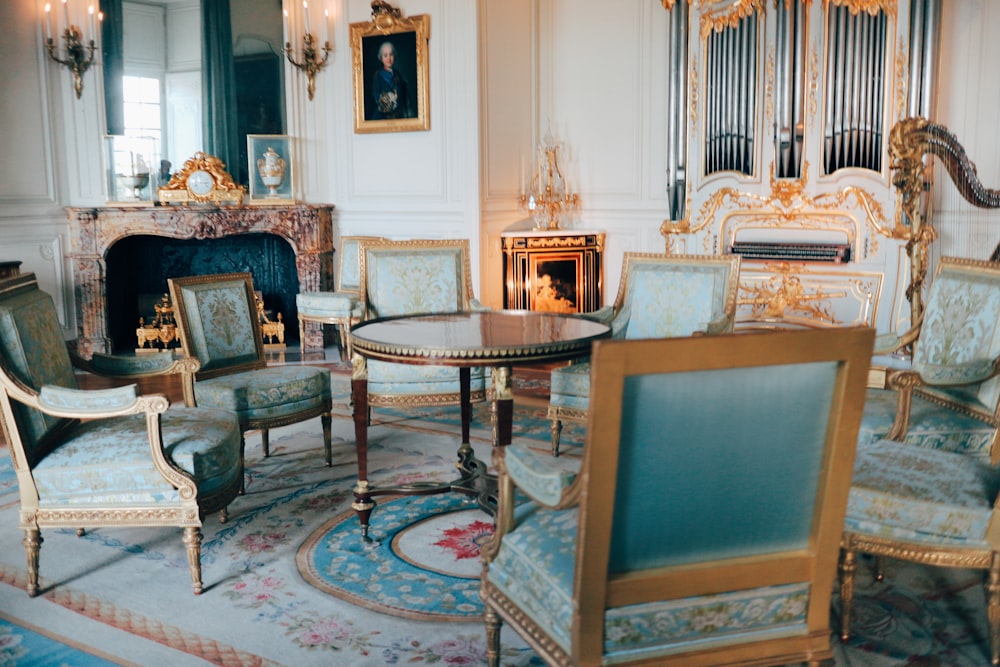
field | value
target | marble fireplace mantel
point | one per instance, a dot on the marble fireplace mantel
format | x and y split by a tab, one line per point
308	228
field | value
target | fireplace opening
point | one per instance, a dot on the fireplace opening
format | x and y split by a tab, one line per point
139	266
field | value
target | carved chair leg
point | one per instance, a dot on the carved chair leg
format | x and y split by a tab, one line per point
192	540
243	477
265	441
224	515
556	432
493	624
32	546
993	607
848	565
327	420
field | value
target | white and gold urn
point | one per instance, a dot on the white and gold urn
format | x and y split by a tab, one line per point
271	168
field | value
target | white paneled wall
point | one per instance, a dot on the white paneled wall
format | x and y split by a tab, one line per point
501	73
968	104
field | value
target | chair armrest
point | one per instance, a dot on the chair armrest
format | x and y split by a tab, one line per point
969	372
140	365
536	476
88	403
604	314
477	307
720	326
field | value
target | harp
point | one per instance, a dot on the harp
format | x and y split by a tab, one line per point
910	142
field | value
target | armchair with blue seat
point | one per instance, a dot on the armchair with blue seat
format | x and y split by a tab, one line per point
659	296
341	308
704	523
926	483
410	277
104	457
217	319
946	394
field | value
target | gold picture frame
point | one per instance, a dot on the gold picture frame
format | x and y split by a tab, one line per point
396	102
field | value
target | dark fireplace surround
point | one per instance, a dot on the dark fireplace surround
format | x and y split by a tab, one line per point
120	254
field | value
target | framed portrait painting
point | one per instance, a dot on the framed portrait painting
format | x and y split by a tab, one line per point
389	56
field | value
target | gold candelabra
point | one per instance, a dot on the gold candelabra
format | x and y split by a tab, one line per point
548	199
79	56
311	61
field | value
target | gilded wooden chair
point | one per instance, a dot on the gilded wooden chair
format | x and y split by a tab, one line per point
926	482
341	308
406	278
945	395
703	526
217	318
106	457
659	296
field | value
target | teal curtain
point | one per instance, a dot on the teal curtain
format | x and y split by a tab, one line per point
114	65
219	84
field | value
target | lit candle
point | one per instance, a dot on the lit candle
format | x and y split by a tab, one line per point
326	25
305	12
66	12
93	29
284	23
48	20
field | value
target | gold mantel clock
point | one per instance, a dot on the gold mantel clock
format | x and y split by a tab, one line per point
204	180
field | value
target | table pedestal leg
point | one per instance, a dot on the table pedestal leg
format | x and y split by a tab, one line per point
363	503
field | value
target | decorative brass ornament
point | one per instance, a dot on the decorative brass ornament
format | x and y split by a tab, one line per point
736	11
872	7
204	180
785	292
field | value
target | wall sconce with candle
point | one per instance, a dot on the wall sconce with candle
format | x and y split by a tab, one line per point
548	198
311	61
78	56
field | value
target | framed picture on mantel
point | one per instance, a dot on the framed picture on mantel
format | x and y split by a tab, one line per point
389	58
270	169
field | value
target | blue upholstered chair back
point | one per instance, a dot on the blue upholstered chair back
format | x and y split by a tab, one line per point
221	326
727	460
667	296
408	277
961	327
349	279
34	352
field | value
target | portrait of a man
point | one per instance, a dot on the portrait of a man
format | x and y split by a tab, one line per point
390	74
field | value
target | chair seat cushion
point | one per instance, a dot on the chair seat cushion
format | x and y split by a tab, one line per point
930	425
534	568
923	495
391	379
571	386
328	304
268	393
107	462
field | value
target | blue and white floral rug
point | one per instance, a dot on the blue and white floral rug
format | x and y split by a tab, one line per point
123	596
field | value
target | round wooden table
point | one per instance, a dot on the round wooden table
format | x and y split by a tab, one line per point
498	339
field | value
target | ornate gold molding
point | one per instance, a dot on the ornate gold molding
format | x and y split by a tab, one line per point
728	17
784	292
872	7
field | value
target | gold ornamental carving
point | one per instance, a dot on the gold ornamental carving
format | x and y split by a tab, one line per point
730	17
788	203
871	7
784	292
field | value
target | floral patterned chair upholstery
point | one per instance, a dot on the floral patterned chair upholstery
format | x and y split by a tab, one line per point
217	319
341	308
926	481
406	278
703	526
659	296
947	394
104	457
